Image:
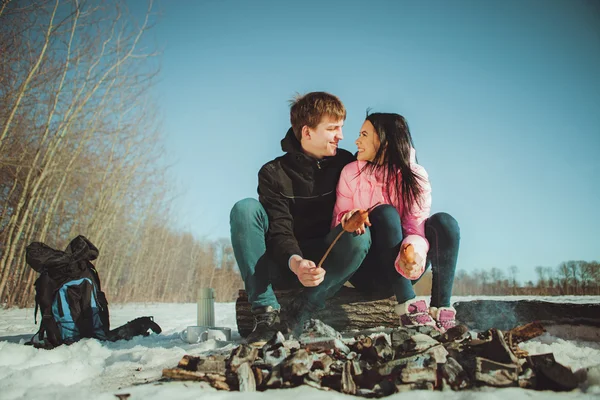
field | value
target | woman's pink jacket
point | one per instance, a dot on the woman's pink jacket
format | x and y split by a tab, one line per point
363	190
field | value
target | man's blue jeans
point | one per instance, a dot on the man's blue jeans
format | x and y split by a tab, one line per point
249	224
377	274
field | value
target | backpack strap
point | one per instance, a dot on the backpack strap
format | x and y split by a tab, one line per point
37	306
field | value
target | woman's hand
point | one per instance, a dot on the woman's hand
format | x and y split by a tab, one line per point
360	225
407	258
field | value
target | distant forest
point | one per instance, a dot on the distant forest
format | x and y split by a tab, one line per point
81	151
568	278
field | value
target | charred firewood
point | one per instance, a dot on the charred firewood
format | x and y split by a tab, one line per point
332	381
527	379
313	379
242	354
383	349
361	342
497	374
296	366
456	333
439	353
214	364
274	351
364	345
320	337
525	332
364	375
261	375
415	386
277	340
495	349
394	367
384	388
377	366
247	382
420	342
400	335
321	362
419	369
274	380
521	334
216	380
324	344
276	356
429	331
551	375
315	328
348	385
357	370
454	375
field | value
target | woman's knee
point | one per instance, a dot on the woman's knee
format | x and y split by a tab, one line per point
358	244
385	217
444	225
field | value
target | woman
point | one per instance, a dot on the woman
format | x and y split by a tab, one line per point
405	238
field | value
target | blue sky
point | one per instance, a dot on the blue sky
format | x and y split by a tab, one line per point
502	97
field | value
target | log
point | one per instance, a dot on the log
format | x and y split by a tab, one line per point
351	309
505	315
348	310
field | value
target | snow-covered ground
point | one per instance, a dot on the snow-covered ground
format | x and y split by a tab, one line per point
91	369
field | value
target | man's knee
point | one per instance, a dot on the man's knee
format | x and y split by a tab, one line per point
445	225
244	209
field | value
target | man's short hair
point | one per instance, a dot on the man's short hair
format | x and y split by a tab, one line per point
310	108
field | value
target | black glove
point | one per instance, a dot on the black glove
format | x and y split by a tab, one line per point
138	326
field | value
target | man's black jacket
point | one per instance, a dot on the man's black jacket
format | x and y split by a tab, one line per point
298	193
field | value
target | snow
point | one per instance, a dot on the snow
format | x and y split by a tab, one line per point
98	370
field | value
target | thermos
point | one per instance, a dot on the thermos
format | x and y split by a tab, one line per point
206	307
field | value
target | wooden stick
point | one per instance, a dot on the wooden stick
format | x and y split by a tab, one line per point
329	248
354	222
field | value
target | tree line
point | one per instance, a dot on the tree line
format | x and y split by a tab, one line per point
80	151
568	278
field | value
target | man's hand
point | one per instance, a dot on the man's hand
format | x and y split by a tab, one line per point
361	229
407	258
308	273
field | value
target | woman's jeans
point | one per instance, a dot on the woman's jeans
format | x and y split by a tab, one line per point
249	224
377	274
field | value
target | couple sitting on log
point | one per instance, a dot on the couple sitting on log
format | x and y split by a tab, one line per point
308	195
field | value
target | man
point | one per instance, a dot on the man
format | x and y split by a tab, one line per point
278	239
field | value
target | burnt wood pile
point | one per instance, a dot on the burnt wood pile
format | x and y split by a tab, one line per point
380	364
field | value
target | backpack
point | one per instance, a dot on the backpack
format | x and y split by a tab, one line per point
68	294
70	298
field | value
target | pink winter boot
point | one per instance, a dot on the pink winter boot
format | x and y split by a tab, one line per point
445	317
414	313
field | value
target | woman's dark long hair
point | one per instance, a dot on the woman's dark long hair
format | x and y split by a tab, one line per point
393	156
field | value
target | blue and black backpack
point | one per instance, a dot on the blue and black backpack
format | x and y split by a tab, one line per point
68	293
70	298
